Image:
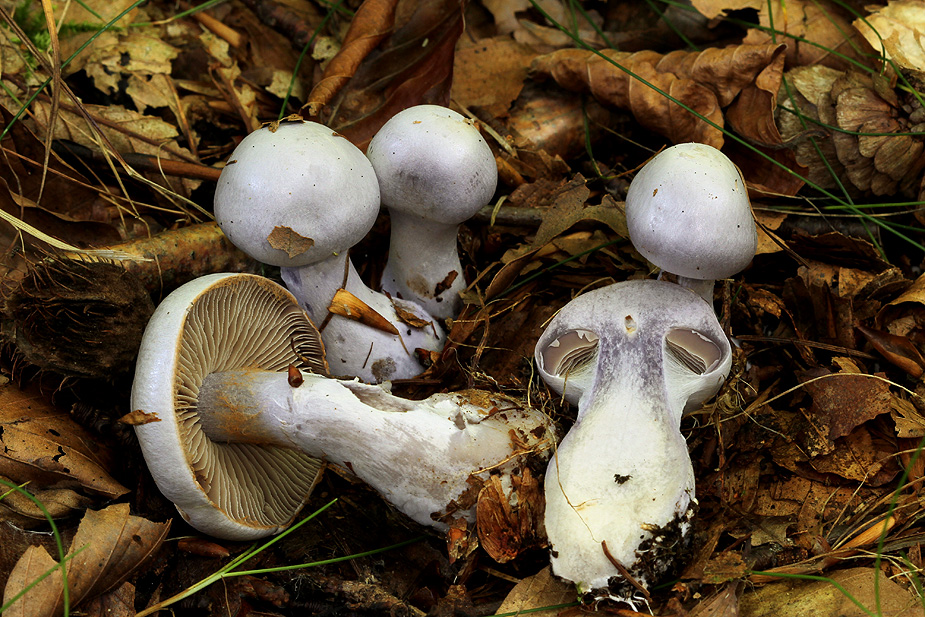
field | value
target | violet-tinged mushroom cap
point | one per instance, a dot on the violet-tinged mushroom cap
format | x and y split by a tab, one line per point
216	323
644	351
687	212
296	195
435	171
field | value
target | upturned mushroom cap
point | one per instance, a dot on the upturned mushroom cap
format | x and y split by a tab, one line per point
687	212
644	351
433	163
296	194
218	323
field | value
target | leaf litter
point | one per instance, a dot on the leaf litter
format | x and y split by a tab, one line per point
807	462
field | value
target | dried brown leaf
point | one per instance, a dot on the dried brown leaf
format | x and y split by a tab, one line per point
705	81
372	22
289	241
855	593
537	591
348	305
45	446
842	401
823	28
108	546
39	601
116	544
570	206
899	27
414	66
899	350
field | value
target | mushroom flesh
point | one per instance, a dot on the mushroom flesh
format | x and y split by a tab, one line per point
620	487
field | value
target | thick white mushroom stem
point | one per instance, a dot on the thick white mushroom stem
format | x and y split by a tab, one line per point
433	278
637	495
635	356
354	347
419	455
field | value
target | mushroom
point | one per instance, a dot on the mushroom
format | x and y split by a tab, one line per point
620	487
687	212
298	195
435	171
232	431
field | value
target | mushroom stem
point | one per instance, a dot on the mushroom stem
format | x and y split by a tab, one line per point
420	455
433	278
353	347
640	354
637	498
703	288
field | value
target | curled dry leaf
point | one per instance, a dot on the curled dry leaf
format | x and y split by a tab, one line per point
812	31
705	81
413	65
44	446
898	29
109	545
348	305
371	24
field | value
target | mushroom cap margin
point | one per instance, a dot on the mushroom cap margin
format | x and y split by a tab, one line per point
201	484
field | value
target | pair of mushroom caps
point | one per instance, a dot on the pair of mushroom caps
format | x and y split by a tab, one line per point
234	434
634	357
298	195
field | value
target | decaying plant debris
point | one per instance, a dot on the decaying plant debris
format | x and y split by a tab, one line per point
808	460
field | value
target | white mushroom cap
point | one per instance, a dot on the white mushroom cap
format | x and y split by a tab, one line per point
644	352
295	195
237	491
433	163
688	213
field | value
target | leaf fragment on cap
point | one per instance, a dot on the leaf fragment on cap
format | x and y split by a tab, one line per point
285	239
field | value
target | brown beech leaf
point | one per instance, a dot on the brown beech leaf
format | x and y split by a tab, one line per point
348	305
289	241
372	22
899	350
570	206
843	401
116	544
108	546
538	591
900	28
45	446
40	601
822	28
705	81
855	592
413	66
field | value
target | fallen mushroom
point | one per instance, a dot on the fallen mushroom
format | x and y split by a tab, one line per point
232	433
620	488
435	172
687	212
298	196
